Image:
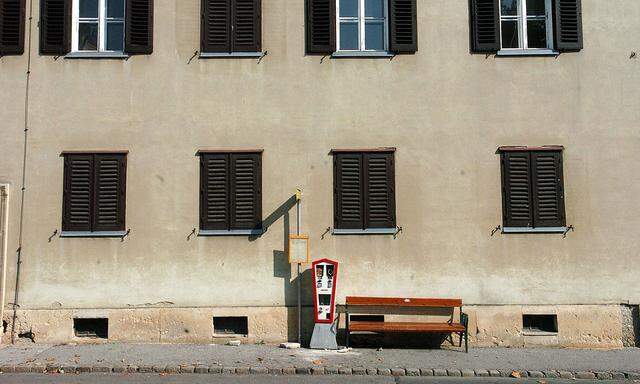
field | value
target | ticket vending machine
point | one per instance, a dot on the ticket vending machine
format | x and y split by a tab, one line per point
324	274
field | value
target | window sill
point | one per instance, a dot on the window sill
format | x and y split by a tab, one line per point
534	230
369	231
358	54
222	55
93	234
527	52
539	333
233	232
96	55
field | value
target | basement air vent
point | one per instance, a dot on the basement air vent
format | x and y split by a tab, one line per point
91	327
237	325
540	323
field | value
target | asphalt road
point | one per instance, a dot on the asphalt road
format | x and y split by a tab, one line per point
261	379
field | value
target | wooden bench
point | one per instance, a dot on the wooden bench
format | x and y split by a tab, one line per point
391	305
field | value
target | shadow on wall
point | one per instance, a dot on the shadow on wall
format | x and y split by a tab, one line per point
282	269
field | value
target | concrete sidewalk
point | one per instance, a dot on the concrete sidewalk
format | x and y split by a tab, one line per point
266	359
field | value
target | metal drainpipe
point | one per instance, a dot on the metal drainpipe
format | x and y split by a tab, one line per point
24	176
4	223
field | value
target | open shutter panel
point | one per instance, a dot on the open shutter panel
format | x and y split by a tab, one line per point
246	26
214	191
216	26
547	188
379	190
139	27
568	25
485	26
78	193
403	29
55	27
12	13
109	192
246	191
348	191
321	26
516	184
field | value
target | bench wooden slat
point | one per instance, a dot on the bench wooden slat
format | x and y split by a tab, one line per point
402	302
378	326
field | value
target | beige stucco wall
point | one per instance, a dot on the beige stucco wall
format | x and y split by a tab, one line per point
445	110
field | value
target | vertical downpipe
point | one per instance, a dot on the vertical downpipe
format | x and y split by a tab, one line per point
4	223
24	176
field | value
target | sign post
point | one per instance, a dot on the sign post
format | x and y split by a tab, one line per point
299	253
325	280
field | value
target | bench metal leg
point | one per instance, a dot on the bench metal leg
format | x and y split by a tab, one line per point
465	322
347	326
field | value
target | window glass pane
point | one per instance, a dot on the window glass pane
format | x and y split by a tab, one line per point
115	8
88	37
510	34
88	8
349	8
537	34
374	35
509	7
115	36
535	7
349	36
374	8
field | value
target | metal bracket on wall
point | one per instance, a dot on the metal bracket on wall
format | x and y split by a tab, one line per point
193	232
496	229
265	53
325	232
125	235
398	230
192	57
569	228
55	232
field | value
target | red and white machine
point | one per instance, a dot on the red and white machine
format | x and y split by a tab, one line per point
324	274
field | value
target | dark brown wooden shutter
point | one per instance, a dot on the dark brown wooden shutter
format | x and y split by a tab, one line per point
215	196
547	189
12	13
403	26
321	26
109	192
55	27
516	190
348	194
246	191
139	27
215	27
247	26
78	193
485	26
568	25
379	191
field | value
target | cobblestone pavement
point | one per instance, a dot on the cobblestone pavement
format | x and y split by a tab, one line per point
141	378
270	360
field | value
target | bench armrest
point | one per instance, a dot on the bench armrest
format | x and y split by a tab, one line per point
464	319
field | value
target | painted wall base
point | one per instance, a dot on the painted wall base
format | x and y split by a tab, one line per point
581	326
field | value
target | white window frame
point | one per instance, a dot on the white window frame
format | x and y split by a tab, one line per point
361	20
522	18
102	26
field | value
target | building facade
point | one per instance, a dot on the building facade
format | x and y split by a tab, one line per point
480	149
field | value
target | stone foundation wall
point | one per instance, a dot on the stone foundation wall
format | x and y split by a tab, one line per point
580	326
